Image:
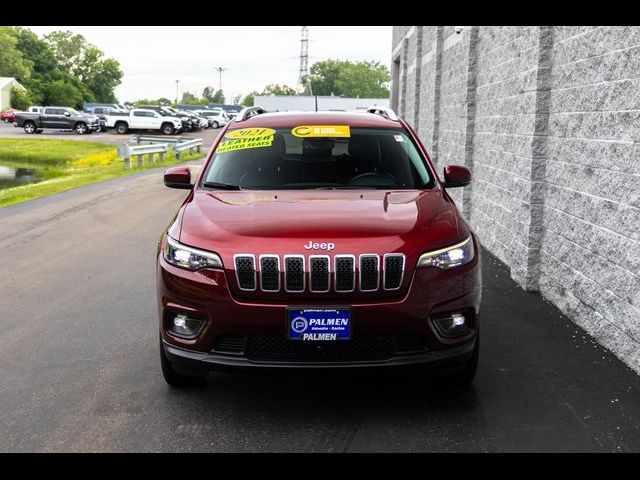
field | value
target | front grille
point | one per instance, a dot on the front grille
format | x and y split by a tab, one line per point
344	271
269	273
246	271
393	270
294	273
369	272
319	272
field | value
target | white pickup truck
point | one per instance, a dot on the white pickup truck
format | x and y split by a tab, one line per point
142	119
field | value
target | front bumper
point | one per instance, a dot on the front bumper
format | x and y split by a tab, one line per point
191	360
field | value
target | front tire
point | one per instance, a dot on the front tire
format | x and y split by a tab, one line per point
121	128
168	129
29	127
81	128
216	125
174	378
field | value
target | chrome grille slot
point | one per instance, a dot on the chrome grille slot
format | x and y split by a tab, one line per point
393	270
369	272
319	273
344	273
269	273
294	273
245	271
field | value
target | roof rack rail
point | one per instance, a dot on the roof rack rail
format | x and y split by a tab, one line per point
248	112
384	111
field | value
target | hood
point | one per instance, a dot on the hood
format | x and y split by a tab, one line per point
355	221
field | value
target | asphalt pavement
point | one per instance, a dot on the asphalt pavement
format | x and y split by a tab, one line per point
80	361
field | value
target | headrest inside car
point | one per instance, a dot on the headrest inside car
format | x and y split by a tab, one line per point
317	147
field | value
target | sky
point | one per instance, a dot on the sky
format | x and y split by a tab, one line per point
153	58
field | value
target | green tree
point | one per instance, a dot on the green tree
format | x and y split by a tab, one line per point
276	89
63	93
350	79
190	99
20	99
208	94
12	61
249	100
45	68
86	63
218	97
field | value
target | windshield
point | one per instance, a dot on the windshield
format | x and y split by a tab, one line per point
72	111
269	159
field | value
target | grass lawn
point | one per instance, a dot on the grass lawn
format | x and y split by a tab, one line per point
64	164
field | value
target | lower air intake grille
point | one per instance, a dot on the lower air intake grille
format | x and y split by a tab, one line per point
278	348
230	344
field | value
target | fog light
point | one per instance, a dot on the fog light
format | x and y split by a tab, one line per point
183	325
452	325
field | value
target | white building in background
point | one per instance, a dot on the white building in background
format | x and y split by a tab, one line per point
6	84
281	103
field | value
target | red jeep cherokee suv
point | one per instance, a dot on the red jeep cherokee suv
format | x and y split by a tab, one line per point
317	240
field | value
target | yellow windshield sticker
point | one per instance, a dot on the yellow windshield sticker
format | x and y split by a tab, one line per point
321	131
250	133
244	143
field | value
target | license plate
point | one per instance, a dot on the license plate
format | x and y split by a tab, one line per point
319	324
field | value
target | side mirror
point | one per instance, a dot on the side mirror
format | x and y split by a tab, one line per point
178	177
456	176
67	114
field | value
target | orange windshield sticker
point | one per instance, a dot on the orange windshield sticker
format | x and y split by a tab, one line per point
321	131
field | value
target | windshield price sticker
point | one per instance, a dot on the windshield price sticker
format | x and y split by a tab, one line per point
244	143
250	133
305	131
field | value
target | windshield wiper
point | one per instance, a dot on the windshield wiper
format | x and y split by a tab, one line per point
345	188
221	186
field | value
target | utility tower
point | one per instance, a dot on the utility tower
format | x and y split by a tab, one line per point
304	62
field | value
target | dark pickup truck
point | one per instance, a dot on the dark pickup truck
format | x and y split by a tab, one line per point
57	118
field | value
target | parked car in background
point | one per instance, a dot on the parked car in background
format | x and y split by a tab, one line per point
57	118
8	116
187	122
217	118
143	119
35	109
102	112
87	107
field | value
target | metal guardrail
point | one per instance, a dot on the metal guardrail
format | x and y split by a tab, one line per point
188	145
138	139
127	151
178	144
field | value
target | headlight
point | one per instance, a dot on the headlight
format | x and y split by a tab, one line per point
190	258
449	257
